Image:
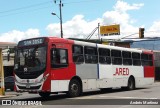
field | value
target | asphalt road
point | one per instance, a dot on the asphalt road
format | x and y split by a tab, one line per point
116	98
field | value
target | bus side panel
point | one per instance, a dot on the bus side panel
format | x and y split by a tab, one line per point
105	71
149	71
63	73
105	76
87	71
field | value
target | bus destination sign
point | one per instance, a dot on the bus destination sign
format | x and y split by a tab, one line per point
31	42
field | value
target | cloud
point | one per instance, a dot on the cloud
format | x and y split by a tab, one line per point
15	35
155	26
123	6
120	16
79	27
154	30
76	27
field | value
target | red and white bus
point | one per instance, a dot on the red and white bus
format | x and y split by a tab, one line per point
48	65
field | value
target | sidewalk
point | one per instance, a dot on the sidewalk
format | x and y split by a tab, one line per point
156	83
10	94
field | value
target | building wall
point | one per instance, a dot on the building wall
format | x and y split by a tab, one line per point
157	58
147	44
8	63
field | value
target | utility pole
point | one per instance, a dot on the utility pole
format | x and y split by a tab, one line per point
98	33
60	9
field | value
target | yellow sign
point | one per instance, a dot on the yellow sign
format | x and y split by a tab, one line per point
110	30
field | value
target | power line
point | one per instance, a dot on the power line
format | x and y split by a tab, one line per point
37	9
26	7
8	12
80	1
39	4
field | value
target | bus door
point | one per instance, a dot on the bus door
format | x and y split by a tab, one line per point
59	62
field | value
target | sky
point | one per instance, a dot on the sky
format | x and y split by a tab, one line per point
22	19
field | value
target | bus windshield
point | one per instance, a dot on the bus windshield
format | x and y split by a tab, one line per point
30	59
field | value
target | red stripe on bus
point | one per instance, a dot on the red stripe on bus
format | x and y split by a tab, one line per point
147	52
149	71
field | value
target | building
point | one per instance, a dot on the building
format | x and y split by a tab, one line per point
8	57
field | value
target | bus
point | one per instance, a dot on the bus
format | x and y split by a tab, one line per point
47	65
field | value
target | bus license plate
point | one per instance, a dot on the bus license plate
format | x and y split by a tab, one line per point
27	86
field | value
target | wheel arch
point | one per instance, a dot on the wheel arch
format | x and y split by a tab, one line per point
134	81
78	79
131	76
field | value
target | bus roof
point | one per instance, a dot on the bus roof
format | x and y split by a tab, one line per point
107	46
57	39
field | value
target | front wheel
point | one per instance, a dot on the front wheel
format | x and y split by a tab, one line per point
44	94
74	88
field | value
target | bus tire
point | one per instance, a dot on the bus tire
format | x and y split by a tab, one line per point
44	94
131	84
74	88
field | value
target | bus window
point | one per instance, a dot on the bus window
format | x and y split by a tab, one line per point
77	51
104	56
146	60
136	59
116	57
59	58
91	55
126	58
150	59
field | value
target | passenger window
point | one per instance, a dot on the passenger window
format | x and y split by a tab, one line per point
146	59
135	55
104	52
77	54
126	54
150	56
59	58
150	59
126	58
104	56
144	56
91	55
136	59
116	57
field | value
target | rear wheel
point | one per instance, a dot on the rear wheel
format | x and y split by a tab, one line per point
131	84
75	88
44	94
